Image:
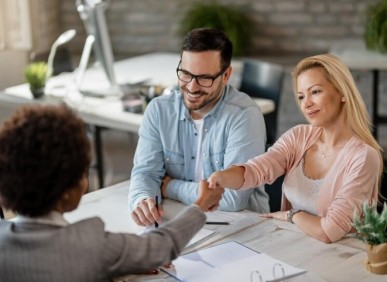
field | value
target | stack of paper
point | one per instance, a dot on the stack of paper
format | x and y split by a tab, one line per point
230	262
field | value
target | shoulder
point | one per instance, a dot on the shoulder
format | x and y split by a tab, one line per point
94	224
235	98
362	154
302	134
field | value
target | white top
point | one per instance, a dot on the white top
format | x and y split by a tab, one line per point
199	163
301	190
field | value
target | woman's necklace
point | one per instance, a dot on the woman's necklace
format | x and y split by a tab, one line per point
325	155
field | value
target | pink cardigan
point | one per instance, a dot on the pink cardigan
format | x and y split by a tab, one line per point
351	180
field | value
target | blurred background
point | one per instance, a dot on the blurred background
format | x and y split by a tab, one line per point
278	31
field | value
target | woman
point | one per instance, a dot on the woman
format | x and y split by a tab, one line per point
331	166
44	159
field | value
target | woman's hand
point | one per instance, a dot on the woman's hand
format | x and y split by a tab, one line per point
232	178
280	215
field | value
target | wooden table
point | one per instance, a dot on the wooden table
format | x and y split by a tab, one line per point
341	261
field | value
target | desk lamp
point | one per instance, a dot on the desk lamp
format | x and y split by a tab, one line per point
62	39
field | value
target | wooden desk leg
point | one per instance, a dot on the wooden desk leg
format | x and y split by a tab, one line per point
375	102
99	155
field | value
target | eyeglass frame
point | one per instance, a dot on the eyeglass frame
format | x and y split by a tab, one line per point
213	77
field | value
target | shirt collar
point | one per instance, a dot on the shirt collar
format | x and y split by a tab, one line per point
52	218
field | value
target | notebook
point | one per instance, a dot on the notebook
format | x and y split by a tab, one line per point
230	261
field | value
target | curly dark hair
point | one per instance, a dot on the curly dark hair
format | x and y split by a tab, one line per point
44	152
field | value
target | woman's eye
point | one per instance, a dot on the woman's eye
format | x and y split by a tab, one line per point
316	91
300	98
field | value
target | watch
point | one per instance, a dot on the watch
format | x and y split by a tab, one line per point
291	213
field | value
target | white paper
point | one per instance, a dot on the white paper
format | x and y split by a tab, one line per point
230	262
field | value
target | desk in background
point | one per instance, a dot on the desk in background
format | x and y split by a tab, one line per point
155	68
341	261
356	56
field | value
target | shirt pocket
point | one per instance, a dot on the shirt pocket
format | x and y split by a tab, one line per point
174	164
217	161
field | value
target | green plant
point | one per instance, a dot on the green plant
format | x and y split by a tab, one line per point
36	74
375	34
371	228
232	20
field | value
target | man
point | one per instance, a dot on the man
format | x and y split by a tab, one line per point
204	127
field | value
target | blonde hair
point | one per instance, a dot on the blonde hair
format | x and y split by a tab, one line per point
339	75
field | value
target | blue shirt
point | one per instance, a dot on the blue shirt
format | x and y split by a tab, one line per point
233	132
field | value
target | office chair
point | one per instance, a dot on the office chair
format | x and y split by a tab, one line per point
264	80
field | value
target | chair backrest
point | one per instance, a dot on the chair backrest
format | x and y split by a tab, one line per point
264	80
1	213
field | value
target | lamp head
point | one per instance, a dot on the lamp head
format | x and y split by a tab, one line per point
65	37
62	39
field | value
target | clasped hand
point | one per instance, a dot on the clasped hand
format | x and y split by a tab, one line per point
146	213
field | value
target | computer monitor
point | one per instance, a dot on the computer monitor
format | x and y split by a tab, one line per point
92	12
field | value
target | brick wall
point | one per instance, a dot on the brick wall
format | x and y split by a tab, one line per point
282	26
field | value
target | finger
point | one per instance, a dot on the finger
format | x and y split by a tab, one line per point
150	271
136	219
153	213
144	214
266	215
212	182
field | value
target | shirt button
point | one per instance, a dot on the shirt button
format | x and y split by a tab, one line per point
167	159
205	129
196	134
204	154
193	157
217	162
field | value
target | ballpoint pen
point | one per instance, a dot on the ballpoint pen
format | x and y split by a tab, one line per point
157	208
217	222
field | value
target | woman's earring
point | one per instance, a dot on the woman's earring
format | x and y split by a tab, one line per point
342	99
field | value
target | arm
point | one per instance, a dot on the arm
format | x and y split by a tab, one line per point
147	172
135	253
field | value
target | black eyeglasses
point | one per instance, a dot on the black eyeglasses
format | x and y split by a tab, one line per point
202	80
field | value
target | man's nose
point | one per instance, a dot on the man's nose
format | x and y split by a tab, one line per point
193	85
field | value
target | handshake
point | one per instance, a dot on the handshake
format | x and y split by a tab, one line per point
147	212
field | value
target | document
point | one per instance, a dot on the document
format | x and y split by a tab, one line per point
200	236
230	261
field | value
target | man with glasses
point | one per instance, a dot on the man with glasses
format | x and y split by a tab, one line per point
205	126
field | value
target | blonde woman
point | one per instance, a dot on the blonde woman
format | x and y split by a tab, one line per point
331	166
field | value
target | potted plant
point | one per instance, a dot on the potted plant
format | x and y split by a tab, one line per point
232	20
371	228
36	76
375	33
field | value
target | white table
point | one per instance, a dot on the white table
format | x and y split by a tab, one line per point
341	261
154	68
356	56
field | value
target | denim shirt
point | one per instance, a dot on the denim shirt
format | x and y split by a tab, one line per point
233	132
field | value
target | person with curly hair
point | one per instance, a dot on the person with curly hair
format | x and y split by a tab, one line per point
44	161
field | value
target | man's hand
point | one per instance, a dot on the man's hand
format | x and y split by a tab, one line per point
208	199
164	185
146	213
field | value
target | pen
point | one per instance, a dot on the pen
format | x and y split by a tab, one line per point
218	222
157	208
